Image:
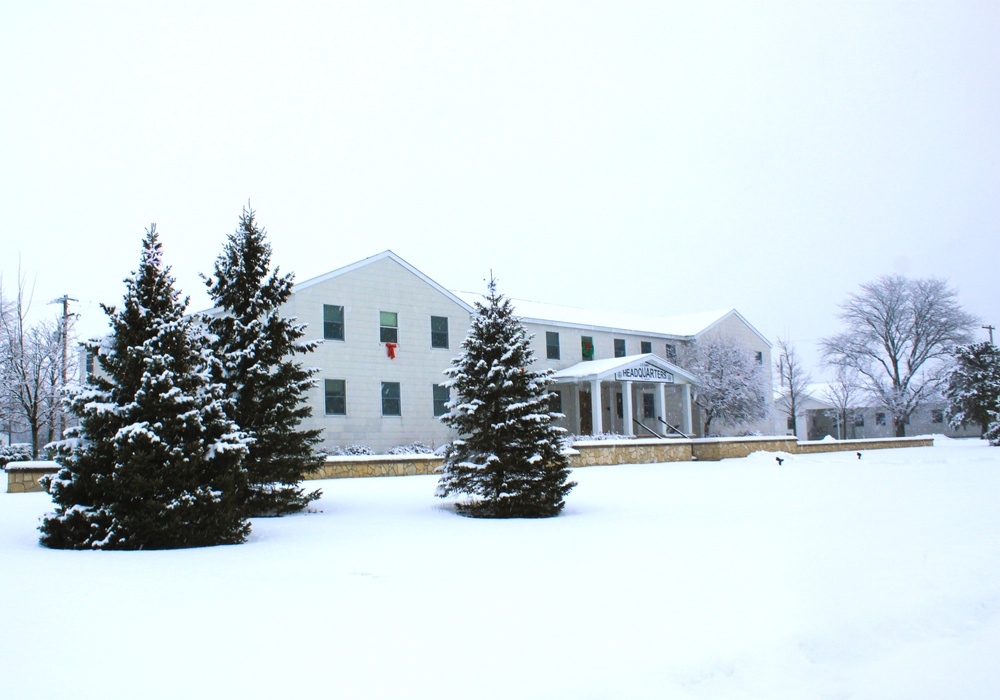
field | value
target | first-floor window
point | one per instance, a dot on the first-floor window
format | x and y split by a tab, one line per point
391	404
859	420
648	406
879	419
336	397
790	423
441	398
555	402
621	405
937	415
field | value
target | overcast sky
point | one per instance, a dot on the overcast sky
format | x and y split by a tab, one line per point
658	156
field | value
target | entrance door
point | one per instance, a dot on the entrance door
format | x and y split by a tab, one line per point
586	414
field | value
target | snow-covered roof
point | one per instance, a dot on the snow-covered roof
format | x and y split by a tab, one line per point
681	326
590	370
375	258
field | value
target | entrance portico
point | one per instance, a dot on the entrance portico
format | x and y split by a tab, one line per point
614	378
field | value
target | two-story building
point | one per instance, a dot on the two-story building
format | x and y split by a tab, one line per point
389	333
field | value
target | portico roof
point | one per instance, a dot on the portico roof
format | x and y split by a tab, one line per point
629	368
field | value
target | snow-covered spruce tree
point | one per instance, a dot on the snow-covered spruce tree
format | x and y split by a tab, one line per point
974	385
155	463
266	388
508	455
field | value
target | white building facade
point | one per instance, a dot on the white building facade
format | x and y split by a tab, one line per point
389	333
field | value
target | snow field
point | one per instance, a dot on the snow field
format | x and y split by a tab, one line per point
826	577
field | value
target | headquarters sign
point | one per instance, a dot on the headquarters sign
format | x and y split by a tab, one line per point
644	373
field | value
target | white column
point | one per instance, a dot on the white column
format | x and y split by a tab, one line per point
627	408
595	406
662	391
686	406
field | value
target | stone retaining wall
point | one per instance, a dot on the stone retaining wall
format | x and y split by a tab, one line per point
714	449
22	477
642	451
814	446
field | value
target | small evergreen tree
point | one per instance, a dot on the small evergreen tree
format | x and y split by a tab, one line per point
508	455
154	463
266	388
974	386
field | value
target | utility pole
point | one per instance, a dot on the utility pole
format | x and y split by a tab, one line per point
65	299
990	329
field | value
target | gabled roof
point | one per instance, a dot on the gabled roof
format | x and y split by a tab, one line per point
602	369
682	327
375	258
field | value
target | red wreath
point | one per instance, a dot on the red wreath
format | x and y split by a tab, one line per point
390	350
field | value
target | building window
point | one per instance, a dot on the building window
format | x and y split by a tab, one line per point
391	405
760	358
388	331
648	406
859	420
552	345
442	395
555	402
937	415
89	364
879	419
333	322
439	331
790	423
645	347
587	347
619	347
671	352
620	405
336	397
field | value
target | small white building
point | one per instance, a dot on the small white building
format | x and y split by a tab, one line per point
389	333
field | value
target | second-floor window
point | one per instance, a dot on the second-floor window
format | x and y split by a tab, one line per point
619	347
587	347
645	347
333	322
439	331
551	345
388	327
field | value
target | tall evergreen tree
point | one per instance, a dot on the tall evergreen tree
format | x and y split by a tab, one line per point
508	456
155	463
256	347
974	385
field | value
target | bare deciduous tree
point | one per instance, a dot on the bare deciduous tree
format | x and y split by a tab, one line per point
900	332
732	383
795	381
845	393
32	380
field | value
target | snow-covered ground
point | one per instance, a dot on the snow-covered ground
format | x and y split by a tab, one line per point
827	577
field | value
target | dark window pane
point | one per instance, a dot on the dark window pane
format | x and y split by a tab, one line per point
645	347
619	347
388	327
587	347
391	405
439	331
551	345
336	397
441	397
333	322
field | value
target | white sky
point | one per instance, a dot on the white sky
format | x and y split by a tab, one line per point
665	157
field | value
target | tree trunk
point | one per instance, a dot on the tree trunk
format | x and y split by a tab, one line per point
900	425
